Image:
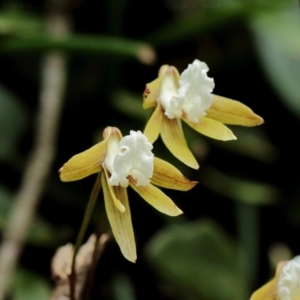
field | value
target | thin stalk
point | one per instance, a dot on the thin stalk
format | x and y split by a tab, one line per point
53	82
247	218
85	222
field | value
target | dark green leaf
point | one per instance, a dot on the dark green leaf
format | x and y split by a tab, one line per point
130	104
241	190
80	44
200	258
40	232
122	288
14	20
278	49
28	286
12	122
210	14
253	143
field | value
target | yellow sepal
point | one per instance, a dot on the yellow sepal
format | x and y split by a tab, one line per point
153	126
167	176
269	290
151	93
232	112
156	198
84	164
121	224
266	292
172	136
116	201
211	128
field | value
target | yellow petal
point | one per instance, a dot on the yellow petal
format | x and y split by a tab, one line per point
155	197
266	292
167	176
84	164
154	124
120	223
151	93
176	74
172	136
269	290
152	90
115	200
232	112
211	128
162	70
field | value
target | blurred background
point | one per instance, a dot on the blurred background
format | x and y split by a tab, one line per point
243	216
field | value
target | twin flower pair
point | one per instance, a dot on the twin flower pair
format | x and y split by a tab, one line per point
129	161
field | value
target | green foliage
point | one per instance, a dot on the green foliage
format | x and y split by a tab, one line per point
27	285
24	33
279	52
200	258
252	143
80	44
130	105
16	21
208	15
255	193
13	119
122	287
41	233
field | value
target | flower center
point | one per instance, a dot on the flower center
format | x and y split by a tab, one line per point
131	156
289	282
193	97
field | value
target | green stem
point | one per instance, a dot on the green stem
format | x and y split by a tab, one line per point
85	222
248	234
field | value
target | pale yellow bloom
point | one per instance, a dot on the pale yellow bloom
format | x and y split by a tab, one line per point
127	161
188	97
285	285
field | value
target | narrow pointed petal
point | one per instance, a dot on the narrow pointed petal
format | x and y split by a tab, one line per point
84	164
167	176
232	112
211	128
153	126
172	136
121	224
155	197
266	292
116	201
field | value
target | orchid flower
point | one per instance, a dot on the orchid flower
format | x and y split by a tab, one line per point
127	161
189	97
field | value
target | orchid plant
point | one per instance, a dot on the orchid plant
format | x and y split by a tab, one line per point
129	161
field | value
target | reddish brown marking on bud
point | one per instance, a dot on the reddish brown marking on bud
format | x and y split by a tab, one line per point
146	93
